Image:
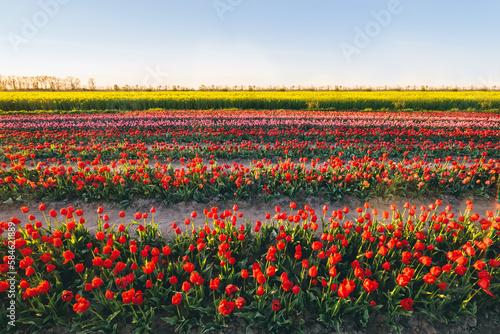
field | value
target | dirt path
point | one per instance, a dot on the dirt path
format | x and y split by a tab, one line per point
252	210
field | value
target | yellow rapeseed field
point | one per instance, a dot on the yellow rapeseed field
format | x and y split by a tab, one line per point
331	100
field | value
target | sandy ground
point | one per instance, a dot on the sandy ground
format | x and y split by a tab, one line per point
252	210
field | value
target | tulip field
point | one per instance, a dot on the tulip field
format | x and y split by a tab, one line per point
291	267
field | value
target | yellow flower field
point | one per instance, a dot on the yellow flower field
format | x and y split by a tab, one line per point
331	100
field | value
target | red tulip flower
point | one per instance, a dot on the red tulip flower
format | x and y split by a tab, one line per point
244	273
186	286
343	291
176	299
226	307
82	305
138	298
240	302
369	285
230	289
68	256
67	296
127	296
109	294
313	271
214	283
407	304
270	271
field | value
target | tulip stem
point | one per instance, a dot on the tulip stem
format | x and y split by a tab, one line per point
335	309
359	298
465	302
418	293
132	306
100	317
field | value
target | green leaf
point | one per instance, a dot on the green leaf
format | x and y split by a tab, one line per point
246	315
210	326
259	315
112	316
364	318
336	325
171	320
325	319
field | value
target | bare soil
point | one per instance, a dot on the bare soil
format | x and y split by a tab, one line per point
486	321
252	210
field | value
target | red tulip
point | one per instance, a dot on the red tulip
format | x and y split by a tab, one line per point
189	267
177	299
67	296
186	286
68	256
214	283
460	270
138	298
270	271
403	280
230	289
386	266
370	286
240	301
276	305
226	307
244	273
407	304
429	278
313	271
109	294
127	296
81	306
343	291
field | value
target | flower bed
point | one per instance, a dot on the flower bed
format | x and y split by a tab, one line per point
127	178
252	134
266	273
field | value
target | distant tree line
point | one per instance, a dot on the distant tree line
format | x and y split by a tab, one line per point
43	82
51	83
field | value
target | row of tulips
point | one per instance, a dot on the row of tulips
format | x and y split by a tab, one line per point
178	119
462	114
250	134
251	149
334	178
183	125
216	267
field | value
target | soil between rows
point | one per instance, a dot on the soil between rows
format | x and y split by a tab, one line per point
252	210
486	321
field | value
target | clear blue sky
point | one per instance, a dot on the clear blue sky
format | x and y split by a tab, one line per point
259	42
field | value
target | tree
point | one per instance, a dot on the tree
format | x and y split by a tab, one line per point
72	83
91	83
